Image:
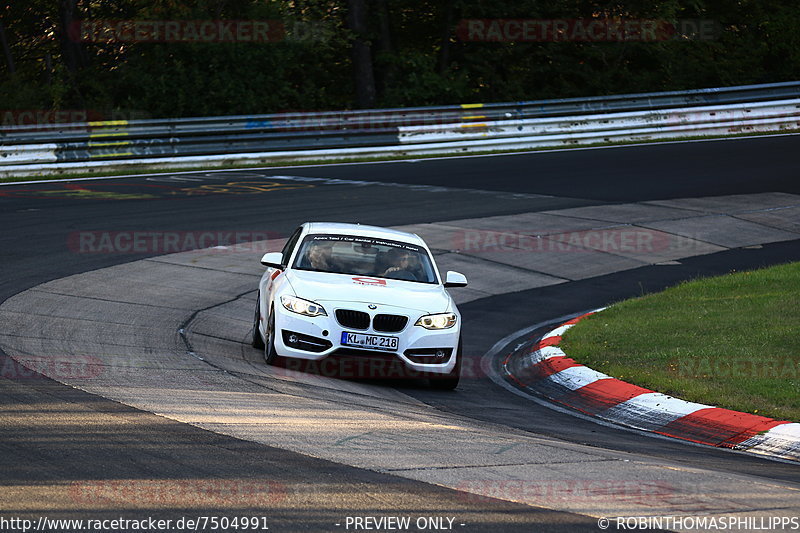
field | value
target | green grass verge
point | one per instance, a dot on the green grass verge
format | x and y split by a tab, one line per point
144	169
732	341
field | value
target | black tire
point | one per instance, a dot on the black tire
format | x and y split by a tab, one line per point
270	355
450	380
257	341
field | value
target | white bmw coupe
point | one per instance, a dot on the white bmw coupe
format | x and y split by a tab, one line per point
345	290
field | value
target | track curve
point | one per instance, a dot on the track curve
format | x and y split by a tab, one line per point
187	211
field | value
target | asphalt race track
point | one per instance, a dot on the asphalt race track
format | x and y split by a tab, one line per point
63	449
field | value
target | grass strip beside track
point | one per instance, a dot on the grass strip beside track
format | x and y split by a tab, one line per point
731	341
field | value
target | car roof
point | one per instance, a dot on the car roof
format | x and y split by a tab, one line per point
363	231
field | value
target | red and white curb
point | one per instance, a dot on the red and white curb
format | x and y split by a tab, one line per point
542	367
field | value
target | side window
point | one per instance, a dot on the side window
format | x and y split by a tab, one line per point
290	244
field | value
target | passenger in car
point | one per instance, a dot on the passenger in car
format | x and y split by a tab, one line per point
320	257
414	266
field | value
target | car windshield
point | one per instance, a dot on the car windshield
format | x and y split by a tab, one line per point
365	256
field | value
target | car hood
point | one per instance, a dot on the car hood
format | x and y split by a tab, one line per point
325	287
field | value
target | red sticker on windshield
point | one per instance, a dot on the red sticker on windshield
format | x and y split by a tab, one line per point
369	281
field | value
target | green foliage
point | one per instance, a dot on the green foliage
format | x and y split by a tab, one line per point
417	56
731	341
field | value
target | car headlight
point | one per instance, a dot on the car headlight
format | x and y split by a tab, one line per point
438	321
303	307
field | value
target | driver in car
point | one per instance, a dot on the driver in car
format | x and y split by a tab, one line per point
320	256
398	260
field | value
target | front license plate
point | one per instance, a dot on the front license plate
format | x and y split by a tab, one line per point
373	342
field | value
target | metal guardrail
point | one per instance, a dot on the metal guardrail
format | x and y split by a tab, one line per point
739	118
342	134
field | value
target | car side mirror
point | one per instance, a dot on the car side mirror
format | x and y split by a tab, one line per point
273	260
455	279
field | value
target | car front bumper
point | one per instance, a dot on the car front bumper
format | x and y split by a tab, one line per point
315	338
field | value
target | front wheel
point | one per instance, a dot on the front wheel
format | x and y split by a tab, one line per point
270	355
257	341
450	380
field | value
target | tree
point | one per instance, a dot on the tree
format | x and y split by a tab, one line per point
72	52
6	49
363	74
